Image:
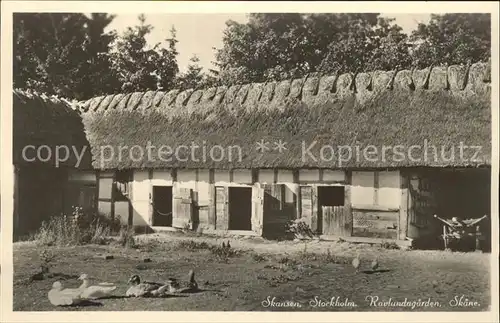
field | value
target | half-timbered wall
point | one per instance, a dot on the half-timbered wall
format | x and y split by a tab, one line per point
371	208
376	201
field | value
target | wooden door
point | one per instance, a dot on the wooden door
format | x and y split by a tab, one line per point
183	208
276	216
308	206
221	208
337	221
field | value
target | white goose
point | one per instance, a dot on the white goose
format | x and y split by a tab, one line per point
59	296
95	291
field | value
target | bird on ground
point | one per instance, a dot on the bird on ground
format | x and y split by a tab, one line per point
59	296
95	291
356	262
40	275
188	286
375	264
228	245
145	289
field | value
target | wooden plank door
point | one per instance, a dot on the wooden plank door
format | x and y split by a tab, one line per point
221	208
258	209
183	208
336	221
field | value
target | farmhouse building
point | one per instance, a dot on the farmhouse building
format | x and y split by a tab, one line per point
366	157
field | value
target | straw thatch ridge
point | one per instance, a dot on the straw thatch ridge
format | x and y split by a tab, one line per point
436	106
463	79
39	120
445	107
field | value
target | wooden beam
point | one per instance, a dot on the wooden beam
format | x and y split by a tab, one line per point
401	243
130	220
369	207
113	187
16	198
376	184
150	199
403	207
347	199
296	196
97	185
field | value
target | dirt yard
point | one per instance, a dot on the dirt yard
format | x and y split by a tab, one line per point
262	276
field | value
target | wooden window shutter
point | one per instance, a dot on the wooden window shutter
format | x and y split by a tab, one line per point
221	208
258	209
307	201
183	208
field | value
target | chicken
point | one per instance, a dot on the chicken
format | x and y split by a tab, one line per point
375	264
356	262
190	285
145	289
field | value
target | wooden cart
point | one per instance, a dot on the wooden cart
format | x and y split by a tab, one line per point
456	230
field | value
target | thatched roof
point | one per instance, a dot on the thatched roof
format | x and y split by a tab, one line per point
40	120
443	106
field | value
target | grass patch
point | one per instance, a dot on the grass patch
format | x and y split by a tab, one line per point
258	257
223	253
77	229
389	245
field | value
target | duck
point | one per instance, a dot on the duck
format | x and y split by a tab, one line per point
95	291
145	289
59	296
188	286
356	262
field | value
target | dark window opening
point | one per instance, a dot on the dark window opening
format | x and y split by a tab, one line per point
121	189
162	206
331	195
240	208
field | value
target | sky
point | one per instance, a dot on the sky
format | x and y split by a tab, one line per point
199	33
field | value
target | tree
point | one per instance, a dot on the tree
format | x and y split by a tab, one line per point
284	46
99	75
62	53
140	67
452	39
281	46
193	77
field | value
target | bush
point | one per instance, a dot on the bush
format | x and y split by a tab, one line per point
126	237
192	245
223	253
300	229
77	229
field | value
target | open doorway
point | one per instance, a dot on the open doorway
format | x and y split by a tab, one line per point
330	202
162	206
240	208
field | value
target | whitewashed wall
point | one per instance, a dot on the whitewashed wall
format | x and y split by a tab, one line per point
366	192
363	190
141	188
